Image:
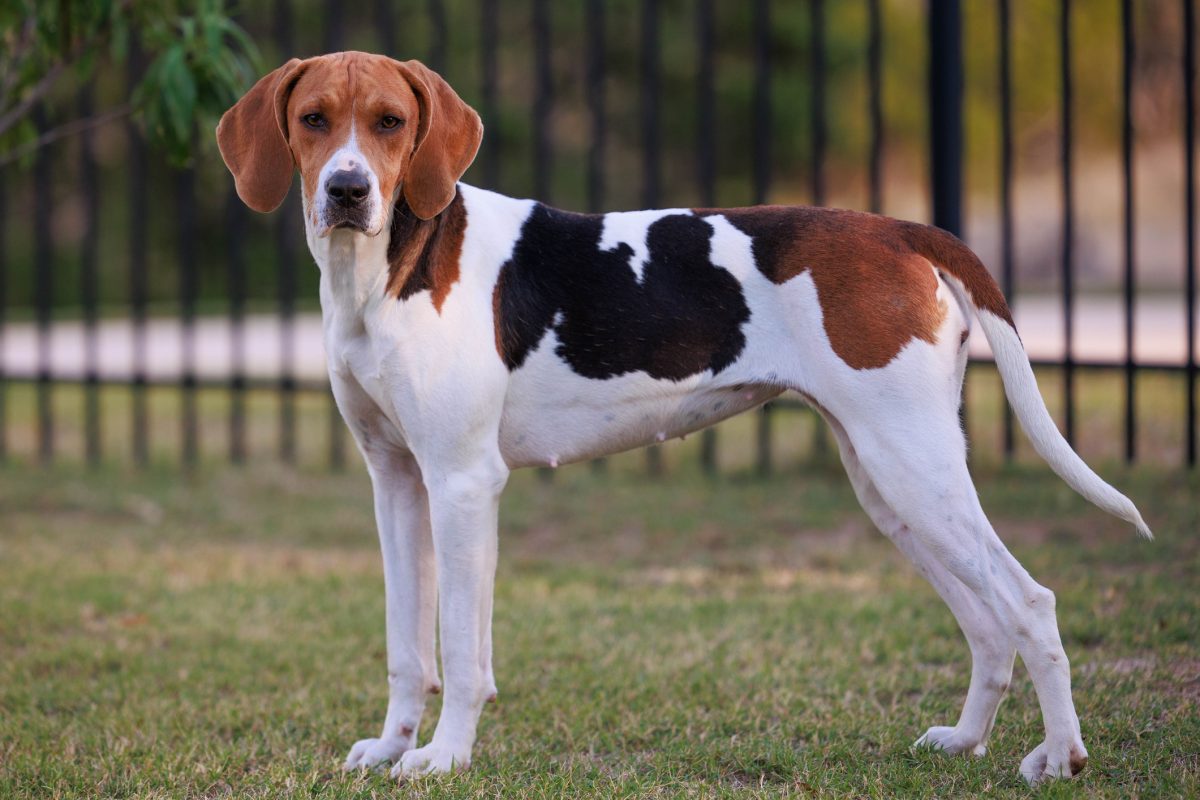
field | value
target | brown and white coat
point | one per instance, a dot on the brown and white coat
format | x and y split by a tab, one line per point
469	333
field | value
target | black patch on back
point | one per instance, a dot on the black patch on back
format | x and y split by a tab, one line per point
684	317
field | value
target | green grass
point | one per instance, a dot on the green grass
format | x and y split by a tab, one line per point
221	635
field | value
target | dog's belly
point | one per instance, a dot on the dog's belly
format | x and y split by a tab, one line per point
552	416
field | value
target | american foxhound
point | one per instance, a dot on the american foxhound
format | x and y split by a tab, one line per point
469	333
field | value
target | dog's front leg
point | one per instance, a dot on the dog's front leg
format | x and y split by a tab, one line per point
464	504
410	590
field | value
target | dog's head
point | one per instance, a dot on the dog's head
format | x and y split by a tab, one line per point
361	129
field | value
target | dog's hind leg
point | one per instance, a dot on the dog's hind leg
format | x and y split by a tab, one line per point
992	648
410	590
915	458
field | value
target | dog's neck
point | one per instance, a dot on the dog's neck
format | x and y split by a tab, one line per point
354	269
412	255
425	254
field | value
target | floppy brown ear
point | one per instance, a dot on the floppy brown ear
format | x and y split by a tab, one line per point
448	137
252	137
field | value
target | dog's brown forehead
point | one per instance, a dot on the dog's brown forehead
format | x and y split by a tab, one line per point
367	83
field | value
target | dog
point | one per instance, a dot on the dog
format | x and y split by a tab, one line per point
469	334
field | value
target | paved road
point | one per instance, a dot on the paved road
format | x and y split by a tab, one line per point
1099	335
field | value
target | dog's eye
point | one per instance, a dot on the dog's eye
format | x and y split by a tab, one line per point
388	122
314	120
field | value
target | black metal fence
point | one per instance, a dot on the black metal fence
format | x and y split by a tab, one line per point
29	195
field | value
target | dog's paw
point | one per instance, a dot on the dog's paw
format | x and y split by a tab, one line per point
432	759
368	753
1046	763
950	740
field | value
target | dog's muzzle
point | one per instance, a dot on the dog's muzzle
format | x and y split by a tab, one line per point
347	199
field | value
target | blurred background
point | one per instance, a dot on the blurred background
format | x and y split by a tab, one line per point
191	597
147	316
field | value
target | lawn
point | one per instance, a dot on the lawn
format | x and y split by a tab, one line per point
220	634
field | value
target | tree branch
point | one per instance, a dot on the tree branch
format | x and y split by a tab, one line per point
46	83
39	90
63	131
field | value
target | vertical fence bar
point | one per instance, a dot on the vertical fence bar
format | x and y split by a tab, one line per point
762	170
138	213
875	104
235	230
542	100
650	144
385	26
487	93
89	186
1068	225
1127	56
334	29
438	36
649	103
43	297
285	246
706	115
945	112
1007	267
706	160
1189	159
761	101
596	104
235	275
816	68
185	199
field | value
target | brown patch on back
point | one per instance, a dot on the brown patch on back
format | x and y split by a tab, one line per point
948	252
424	255
876	292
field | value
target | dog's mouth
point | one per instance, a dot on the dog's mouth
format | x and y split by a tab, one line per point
354	219
346	219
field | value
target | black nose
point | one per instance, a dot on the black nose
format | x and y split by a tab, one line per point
348	187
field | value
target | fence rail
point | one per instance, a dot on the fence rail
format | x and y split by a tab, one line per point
945	116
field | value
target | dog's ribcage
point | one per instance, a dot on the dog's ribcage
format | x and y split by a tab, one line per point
628	328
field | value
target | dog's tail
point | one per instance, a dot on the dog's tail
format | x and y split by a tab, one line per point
967	276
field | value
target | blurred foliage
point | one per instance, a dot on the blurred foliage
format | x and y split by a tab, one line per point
199	63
